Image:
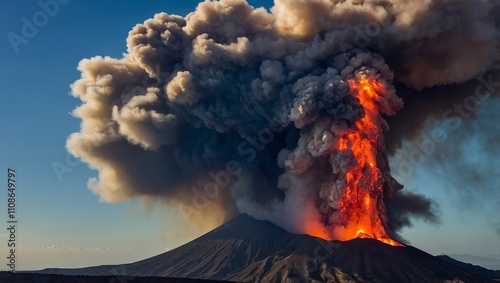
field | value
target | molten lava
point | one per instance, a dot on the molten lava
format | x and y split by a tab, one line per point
361	202
363	206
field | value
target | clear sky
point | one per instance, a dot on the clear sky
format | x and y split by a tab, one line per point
61	222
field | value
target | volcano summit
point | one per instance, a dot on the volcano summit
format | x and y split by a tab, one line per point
248	250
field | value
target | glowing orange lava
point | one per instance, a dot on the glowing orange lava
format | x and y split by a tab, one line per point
362	200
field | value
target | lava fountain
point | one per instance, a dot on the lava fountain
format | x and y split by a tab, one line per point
360	208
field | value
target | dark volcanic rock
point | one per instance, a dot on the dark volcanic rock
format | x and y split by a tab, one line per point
7	277
248	250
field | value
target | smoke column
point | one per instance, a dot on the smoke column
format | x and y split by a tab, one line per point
277	113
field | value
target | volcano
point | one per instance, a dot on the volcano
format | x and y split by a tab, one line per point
248	250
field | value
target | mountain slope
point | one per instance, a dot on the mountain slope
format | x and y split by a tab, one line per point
475	269
488	262
248	250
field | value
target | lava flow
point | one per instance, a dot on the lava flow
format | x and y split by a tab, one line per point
361	203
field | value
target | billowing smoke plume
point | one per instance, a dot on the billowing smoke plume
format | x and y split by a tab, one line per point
251	108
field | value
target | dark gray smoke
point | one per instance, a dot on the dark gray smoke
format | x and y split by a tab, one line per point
247	104
405	206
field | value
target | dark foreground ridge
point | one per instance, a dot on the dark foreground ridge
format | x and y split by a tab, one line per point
7	277
248	250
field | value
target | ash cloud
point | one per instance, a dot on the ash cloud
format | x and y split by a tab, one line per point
405	206
268	91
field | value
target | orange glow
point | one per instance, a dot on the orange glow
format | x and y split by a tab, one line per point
361	201
317	230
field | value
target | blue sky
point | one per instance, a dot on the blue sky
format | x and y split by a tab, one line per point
61	222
